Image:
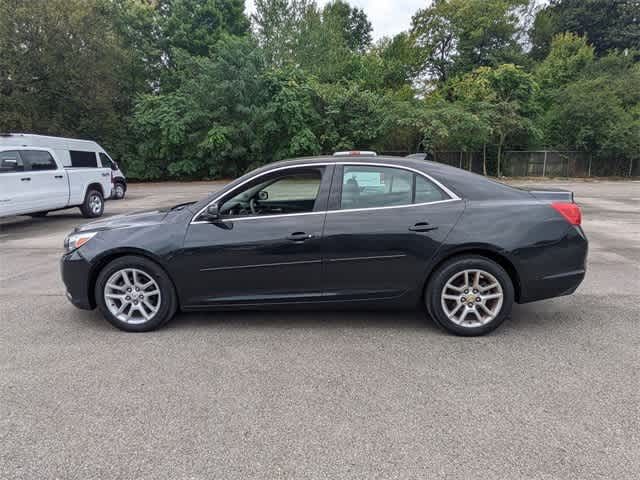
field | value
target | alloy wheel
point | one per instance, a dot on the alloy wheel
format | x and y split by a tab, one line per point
132	296
472	298
95	203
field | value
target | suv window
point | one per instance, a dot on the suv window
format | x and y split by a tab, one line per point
291	191
10	161
107	162
371	187
37	160
83	159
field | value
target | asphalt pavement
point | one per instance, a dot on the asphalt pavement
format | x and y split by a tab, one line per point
552	394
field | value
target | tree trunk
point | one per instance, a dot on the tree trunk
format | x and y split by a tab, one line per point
484	159
501	142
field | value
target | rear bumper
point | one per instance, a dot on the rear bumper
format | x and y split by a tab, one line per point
556	285
562	269
75	271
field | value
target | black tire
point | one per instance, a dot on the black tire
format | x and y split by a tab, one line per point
123	188
456	265
168	304
89	208
38	214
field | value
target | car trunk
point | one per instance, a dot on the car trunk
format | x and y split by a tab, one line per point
551	195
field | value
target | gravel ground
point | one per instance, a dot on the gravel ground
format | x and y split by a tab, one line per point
554	393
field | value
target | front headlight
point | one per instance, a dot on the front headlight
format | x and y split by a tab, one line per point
76	240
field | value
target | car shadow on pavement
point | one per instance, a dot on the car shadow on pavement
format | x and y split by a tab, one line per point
308	319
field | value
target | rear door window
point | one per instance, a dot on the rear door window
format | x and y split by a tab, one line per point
83	159
38	160
372	186
10	161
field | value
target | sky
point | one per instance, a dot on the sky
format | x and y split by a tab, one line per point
388	17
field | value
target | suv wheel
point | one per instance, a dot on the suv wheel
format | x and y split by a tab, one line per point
119	191
93	205
135	295
470	295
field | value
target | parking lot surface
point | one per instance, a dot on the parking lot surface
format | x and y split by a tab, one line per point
554	393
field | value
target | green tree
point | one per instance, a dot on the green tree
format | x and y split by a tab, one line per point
278	25
398	61
351	117
607	24
351	22
287	123
206	127
460	125
569	57
456	36
599	112
63	70
195	26
507	97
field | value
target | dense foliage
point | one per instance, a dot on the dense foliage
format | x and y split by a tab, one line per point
196	89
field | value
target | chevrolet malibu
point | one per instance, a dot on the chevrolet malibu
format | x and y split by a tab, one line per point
355	231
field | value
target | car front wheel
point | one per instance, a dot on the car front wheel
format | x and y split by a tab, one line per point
470	295
119	191
135	295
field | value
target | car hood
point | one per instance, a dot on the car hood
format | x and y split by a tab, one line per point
135	219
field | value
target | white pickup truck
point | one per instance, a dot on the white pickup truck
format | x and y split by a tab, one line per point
34	182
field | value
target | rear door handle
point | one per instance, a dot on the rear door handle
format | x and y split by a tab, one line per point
106	174
25	179
423	227
58	176
300	237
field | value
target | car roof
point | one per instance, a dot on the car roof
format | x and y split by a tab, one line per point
4	148
464	184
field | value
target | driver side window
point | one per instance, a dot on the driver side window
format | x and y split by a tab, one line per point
286	192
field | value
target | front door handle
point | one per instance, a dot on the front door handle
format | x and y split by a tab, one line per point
300	237
58	176
25	179
423	227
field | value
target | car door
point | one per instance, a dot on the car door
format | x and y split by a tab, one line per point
13	192
265	247
47	184
383	226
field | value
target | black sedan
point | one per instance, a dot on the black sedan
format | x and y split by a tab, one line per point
354	231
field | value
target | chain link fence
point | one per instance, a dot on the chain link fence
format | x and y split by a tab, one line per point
538	163
471	161
553	163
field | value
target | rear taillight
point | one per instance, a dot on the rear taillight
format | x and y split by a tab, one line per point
570	211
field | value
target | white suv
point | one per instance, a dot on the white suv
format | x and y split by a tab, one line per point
73	153
33	182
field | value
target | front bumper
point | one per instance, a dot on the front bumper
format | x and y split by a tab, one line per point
76	271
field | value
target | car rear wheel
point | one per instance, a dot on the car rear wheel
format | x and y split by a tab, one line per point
135	295
470	295
93	205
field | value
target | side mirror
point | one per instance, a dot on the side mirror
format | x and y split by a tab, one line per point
211	213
